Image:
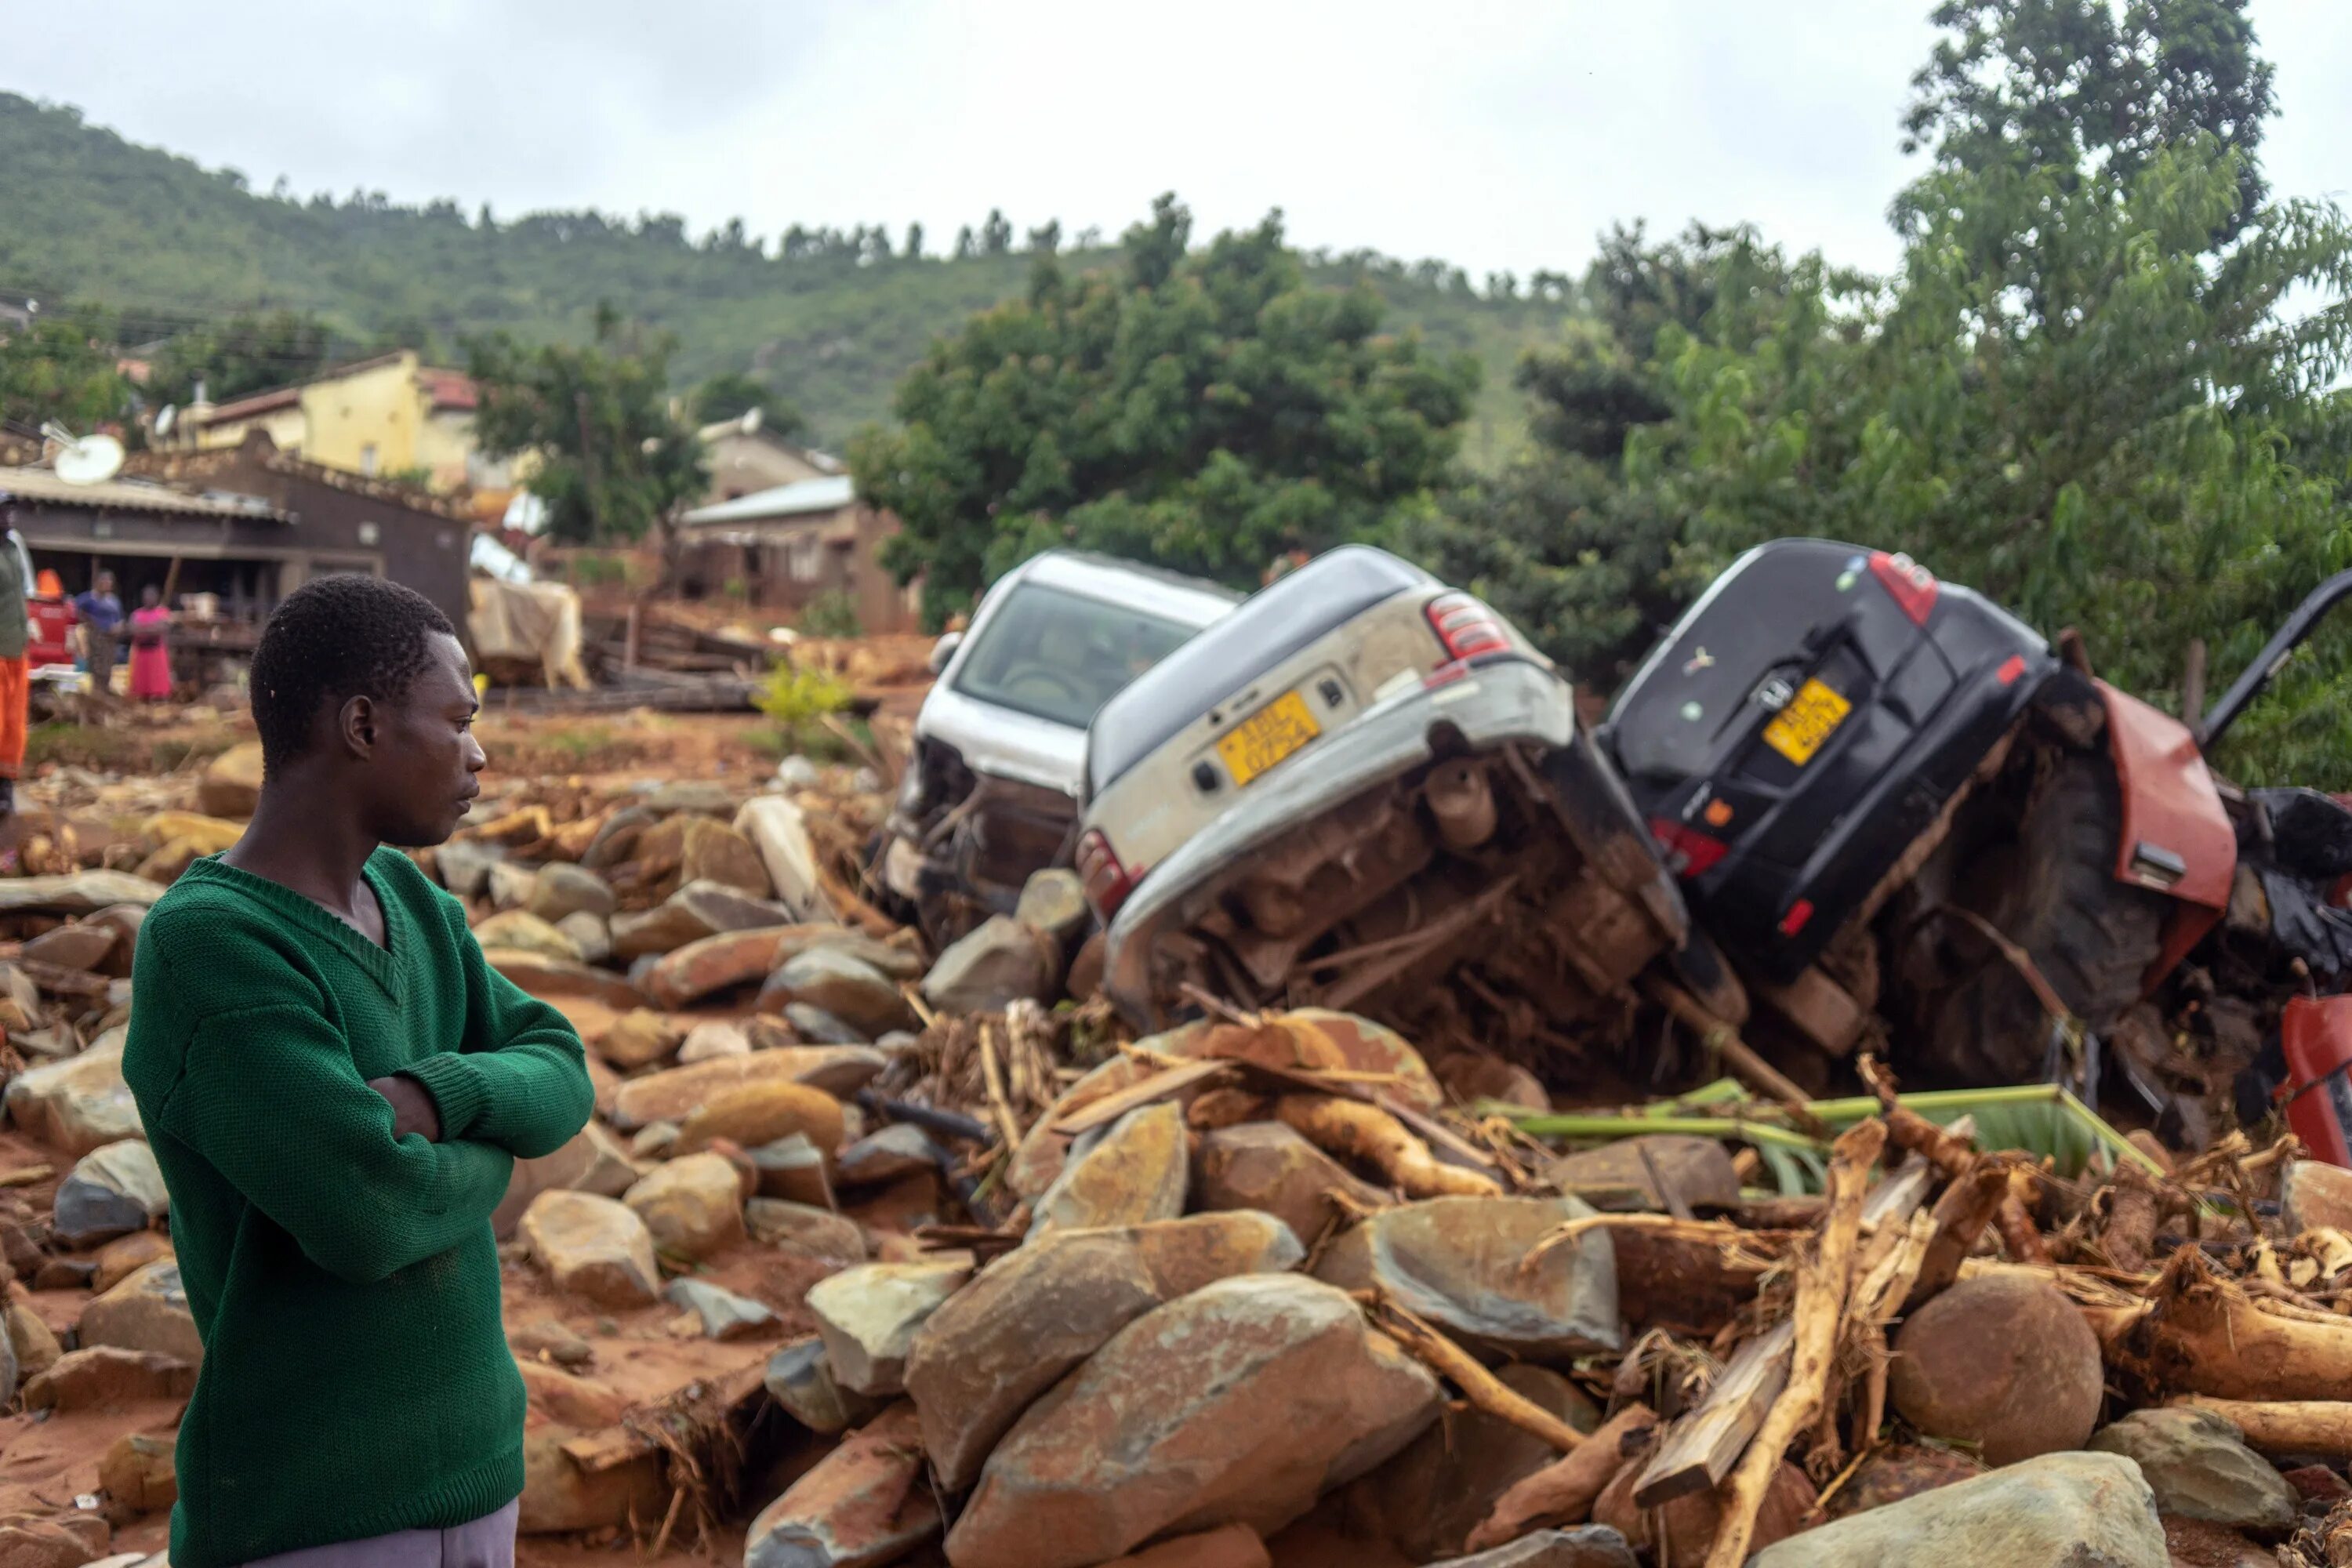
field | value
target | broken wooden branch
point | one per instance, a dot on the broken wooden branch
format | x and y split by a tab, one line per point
2320	1427
2200	1334
1967	1205
1480	1387
1354	1130
1823	1279
1564	1491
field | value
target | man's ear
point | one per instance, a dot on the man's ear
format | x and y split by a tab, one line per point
356	725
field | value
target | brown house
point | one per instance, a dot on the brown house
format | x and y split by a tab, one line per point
247	525
783	548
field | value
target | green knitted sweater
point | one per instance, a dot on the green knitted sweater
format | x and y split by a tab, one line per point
356	1378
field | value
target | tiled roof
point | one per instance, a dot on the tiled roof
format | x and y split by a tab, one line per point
128	495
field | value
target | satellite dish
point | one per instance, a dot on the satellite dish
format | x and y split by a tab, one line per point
92	461
750	422
165	418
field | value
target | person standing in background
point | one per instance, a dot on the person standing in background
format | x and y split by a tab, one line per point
150	652
102	617
16	677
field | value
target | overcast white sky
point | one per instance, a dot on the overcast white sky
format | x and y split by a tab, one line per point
1496	134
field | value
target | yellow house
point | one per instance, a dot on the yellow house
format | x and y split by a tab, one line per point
386	416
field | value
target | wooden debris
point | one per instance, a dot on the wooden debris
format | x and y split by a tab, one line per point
1823	1279
1563	1491
1697	1451
2201	1333
1479	1386
1967	1205
1352	1130
1164	1084
2320	1427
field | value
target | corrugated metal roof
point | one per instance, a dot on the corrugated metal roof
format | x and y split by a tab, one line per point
796	499
129	495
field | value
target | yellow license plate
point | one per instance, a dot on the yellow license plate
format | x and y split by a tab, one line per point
1810	718
1267	736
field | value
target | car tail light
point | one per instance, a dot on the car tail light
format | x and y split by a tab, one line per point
1465	627
1913	585
1799	914
1689	852
1107	881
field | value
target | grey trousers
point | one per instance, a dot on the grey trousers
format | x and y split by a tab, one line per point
485	1542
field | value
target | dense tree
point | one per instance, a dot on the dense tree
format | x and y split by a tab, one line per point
996	234
613	464
62	367
246	353
1208	410
914	251
732	392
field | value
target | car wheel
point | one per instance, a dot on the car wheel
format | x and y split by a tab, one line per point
2050	889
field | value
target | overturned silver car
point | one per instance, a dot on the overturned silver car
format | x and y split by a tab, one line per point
1361	783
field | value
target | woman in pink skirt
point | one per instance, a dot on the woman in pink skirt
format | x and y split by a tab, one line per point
151	657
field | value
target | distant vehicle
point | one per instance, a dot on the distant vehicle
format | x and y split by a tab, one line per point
1360	783
990	796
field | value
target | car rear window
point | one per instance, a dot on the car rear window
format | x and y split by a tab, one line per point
1060	655
1756	615
1272	624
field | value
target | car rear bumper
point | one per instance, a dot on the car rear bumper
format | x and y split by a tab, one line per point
1504	701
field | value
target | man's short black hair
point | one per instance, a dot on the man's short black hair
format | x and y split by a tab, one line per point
340	637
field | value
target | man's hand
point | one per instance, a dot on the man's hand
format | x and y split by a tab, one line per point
413	1109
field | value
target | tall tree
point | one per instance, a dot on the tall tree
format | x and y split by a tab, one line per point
613	463
62	367
1210	412
242	354
996	234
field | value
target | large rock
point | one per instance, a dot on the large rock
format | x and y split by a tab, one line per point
121	1258
696	911
100	1377
1902	1470
148	1311
74	893
510	885
570	1401
68	1543
693	1207
695	798
521	930
2313	1196
721	963
665	928
639	1039
112	1192
83	947
1239	1404
543	977
864	1505
590	934
559	1495
1429	1498
138	1473
560	889
465	866
778	829
868	1315
593	1247
714	852
2199	1466
1054	904
673	1095
80	1104
231	784
2003	1362
901	1149
800	1378
805	1228
593	1161
793	1168
2060	1511
1617	1176
843	985
31	1341
997	964
1135	1174
1459	1263
1227	1546
713	1039
725	1315
1586	1546
753	1114
1680	1533
819	1027
978	1362
1267	1165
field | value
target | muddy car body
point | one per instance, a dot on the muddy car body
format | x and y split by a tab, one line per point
1436	811
990	795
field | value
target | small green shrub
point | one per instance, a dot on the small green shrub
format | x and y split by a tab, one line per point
832	613
798	702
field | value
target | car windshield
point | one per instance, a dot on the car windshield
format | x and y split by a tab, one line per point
1060	655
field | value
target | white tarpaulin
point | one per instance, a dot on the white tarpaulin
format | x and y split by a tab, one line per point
539	622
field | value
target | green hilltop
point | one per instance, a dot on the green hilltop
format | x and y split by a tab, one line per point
94	220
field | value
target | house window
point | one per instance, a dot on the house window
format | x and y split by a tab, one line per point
804	558
367	459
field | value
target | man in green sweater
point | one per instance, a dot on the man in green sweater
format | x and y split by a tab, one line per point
336	1087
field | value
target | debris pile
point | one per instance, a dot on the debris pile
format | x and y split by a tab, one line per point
874	1255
